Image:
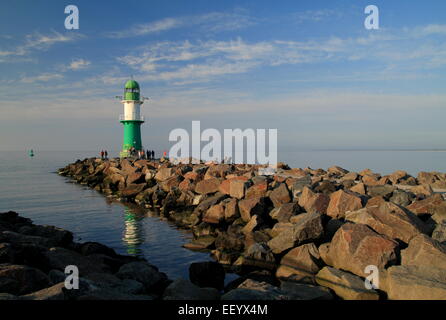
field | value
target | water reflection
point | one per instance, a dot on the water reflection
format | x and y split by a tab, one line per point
133	232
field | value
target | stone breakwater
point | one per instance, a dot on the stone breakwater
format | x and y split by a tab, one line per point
297	234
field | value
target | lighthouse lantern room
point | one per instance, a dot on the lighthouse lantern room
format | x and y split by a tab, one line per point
131	119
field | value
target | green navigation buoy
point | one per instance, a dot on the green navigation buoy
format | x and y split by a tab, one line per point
31	153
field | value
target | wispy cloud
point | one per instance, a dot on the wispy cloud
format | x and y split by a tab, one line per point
316	15
192	61
430	30
78	64
210	22
45	77
37	41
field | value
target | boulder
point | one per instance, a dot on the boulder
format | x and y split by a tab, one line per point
424	251
414	283
20	279
285	212
337	171
19	239
341	202
107	281
259	255
427	177
299	185
55	292
254	290
300	291
375	201
215	214
132	190
280	195
230	241
204	205
397	176
359	188
181	289
301	264
350	176
401	198
144	273
389	219
346	285
207	274
326	187
237	188
127	166
356	246
135	177
384	191
250	207
433	205
323	253
370	180
439	233
186	185
191	175
231	210
422	190
253	223
200	243
88	248
313	202
58	236
306	227
163	174
59	258
7	253
257	190
207	186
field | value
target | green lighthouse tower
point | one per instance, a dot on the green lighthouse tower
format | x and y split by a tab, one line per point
131	119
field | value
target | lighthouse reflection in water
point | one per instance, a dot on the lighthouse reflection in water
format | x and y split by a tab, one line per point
133	233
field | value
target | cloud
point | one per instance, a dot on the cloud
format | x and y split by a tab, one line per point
78	64
194	61
148	28
37	41
210	23
316	15
44	77
430	29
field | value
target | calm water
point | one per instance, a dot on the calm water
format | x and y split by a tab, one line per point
31	187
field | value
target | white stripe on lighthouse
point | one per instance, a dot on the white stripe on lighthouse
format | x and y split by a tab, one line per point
132	110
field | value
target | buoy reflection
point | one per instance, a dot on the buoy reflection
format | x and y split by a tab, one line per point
133	233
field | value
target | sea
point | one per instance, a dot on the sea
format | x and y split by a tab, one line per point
32	187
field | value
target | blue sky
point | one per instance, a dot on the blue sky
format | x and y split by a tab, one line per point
308	68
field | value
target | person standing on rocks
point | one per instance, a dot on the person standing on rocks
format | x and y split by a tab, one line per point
148	153
153	154
105	154
102	154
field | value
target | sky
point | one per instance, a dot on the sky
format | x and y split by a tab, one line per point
309	69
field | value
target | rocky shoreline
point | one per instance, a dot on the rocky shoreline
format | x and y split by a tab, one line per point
297	234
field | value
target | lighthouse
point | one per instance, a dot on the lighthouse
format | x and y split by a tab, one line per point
131	119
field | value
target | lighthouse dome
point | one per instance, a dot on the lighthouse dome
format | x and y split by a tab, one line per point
131	90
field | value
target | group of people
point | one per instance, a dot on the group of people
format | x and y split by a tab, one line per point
140	154
104	154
